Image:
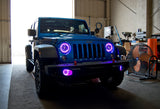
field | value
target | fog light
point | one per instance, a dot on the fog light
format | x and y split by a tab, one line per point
120	67
67	72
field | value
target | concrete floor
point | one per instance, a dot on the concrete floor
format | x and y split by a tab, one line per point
5	78
147	92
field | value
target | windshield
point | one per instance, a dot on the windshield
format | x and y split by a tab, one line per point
63	26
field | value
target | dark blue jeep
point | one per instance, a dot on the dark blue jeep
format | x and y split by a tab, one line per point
65	51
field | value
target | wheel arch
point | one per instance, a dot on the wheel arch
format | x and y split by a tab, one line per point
45	51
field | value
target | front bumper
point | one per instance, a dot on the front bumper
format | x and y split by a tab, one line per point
86	70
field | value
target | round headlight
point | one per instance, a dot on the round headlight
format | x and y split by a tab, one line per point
109	47
65	48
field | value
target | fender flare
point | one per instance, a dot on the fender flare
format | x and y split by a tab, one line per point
46	51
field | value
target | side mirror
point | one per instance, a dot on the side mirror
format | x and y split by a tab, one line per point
31	32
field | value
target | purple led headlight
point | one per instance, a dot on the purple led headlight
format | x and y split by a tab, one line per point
109	47
65	48
67	72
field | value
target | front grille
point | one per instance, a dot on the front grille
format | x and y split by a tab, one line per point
89	51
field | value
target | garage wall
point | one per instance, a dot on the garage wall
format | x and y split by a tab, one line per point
92	11
128	15
5	39
156	16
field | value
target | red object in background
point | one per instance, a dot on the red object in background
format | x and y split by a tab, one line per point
152	43
158	51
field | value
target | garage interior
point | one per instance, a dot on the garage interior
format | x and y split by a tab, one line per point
131	16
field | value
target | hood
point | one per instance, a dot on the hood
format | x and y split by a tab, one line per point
64	37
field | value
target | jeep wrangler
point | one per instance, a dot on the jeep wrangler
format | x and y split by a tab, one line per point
65	51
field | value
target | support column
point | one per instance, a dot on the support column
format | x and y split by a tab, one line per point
108	12
149	18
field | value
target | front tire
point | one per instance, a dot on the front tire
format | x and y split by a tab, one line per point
40	79
29	66
28	53
113	80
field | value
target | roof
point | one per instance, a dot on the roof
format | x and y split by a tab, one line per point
59	18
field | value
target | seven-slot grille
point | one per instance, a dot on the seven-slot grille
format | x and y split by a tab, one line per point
89	51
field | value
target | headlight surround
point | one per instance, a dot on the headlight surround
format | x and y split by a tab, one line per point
109	47
65	48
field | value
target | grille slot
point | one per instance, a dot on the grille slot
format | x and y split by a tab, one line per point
89	51
85	50
103	50
75	51
99	51
94	50
80	50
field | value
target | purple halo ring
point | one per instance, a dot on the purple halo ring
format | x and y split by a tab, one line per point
109	47
65	48
67	72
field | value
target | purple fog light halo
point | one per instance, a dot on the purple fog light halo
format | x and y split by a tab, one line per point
120	67
67	72
65	48
109	47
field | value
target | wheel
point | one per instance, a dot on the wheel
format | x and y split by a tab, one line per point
122	50
39	79
29	66
113	80
28	52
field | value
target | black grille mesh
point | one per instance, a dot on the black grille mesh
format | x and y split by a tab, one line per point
88	51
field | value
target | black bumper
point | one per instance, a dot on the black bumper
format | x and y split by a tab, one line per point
86	70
